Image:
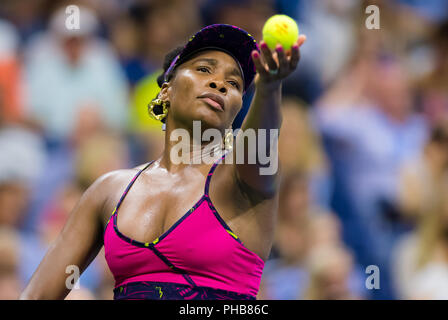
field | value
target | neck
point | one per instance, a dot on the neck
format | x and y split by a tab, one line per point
185	148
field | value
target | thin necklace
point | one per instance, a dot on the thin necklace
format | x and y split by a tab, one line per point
210	152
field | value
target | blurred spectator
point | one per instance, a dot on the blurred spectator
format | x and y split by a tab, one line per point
21	163
324	230
125	38
435	10
420	177
301	229
420	254
10	285
27	16
13	202
101	153
10	79
370	131
145	32
70	72
294	200
421	260
283	281
304	154
433	87
330	268
249	15
166	25
330	29
284	276
56	214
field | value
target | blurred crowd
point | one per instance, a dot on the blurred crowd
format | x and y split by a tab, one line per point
363	145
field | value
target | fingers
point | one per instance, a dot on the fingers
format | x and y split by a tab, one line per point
301	40
259	66
295	52
283	69
295	56
267	56
284	63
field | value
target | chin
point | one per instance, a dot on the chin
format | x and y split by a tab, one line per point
209	119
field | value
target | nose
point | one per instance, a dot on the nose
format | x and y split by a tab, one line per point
218	85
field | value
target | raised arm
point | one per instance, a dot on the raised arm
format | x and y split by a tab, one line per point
78	244
264	113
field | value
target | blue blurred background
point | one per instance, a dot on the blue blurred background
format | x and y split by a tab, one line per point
363	146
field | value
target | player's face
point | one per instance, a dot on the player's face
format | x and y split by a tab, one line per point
209	88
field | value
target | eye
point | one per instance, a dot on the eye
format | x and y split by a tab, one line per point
203	69
235	84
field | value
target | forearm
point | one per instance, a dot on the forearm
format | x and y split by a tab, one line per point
259	170
264	112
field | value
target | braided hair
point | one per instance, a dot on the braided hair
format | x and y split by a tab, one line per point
169	57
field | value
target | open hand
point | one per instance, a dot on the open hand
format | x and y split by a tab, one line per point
272	67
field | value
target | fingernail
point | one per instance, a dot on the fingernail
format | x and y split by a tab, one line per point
264	45
279	48
295	46
256	55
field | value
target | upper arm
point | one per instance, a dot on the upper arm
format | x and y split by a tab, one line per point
256	181
253	188
259	212
78	244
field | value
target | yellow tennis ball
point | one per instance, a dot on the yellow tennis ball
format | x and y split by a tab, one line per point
280	29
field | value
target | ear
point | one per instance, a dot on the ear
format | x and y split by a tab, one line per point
164	91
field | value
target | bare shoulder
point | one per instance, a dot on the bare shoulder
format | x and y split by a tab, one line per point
106	190
116	178
112	180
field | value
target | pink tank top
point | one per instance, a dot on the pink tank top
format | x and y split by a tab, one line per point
199	254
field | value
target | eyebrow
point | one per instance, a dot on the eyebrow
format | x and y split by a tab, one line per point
214	63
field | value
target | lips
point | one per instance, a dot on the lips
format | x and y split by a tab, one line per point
213	100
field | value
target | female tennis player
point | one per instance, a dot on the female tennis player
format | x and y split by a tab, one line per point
185	231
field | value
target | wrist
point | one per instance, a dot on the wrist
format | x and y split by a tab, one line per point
268	87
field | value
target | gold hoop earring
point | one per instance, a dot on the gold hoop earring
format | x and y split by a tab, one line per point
159	105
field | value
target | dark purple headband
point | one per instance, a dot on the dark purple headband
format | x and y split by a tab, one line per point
230	39
177	62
